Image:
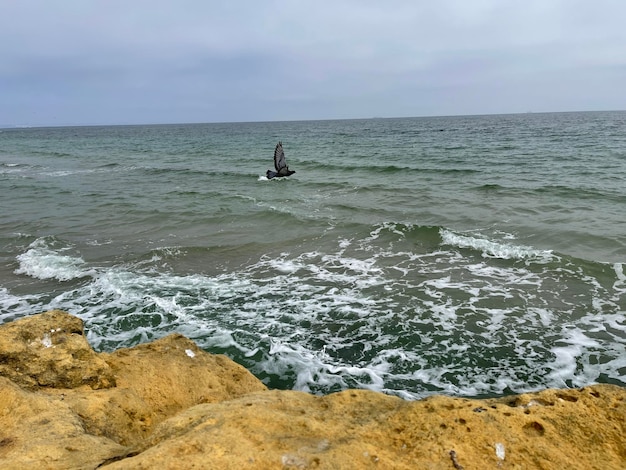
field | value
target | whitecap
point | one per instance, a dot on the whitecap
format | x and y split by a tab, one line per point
494	249
42	262
620	282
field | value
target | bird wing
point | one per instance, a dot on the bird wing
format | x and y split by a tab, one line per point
279	157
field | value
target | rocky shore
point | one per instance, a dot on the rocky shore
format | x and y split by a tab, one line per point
170	405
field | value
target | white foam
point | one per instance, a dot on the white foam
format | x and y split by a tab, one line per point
42	262
317	368
620	283
545	316
12	306
564	365
493	249
99	243
567	358
286	266
344	243
10	168
386	226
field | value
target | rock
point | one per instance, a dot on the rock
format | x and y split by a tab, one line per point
173	373
169	404
155	381
50	350
553	429
110	401
40	431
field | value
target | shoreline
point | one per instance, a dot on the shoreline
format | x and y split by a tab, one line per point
169	404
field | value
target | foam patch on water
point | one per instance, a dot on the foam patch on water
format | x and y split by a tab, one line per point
620	282
11	168
494	249
43	262
13	306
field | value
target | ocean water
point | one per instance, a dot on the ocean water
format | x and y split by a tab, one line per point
472	256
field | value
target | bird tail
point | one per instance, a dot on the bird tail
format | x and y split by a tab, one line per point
270	174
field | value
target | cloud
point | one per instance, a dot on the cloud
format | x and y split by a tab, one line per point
114	61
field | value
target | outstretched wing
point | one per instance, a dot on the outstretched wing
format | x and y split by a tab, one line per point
279	157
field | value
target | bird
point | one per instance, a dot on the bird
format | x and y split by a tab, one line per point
279	163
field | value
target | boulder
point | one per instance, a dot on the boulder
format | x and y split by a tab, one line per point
50	350
82	399
42	431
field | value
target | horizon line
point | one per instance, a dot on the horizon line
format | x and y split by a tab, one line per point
43	126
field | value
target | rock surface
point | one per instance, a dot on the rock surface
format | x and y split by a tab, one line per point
50	350
168	404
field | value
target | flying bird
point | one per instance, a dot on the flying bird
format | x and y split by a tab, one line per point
279	163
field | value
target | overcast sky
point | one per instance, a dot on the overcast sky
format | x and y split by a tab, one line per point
155	61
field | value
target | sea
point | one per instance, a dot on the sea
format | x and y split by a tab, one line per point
473	256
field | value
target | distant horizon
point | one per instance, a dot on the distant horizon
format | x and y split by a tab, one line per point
260	121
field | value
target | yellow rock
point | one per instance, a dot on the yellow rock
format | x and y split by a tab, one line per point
170	405
40	431
553	429
86	418
50	350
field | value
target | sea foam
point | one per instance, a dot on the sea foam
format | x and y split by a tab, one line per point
43	262
494	249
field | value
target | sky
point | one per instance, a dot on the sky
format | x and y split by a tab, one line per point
85	62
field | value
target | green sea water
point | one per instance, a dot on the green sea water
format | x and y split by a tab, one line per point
470	255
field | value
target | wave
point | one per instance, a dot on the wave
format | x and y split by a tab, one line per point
414	233
440	171
491	187
431	237
580	193
149	172
561	191
452	171
495	249
363	167
43	261
109	165
21	169
50	153
187	172
428	239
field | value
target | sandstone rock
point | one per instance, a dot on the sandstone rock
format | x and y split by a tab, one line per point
173	373
169	404
48	355
573	429
50	350
40	431
155	381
